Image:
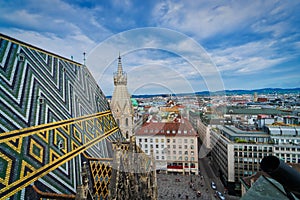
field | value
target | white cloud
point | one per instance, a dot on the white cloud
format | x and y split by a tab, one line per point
52	43
207	18
248	58
54	25
192	62
68	29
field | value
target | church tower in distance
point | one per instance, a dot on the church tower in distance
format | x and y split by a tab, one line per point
121	105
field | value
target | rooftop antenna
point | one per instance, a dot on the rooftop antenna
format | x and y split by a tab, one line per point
83	58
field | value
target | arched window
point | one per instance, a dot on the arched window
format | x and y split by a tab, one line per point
126	134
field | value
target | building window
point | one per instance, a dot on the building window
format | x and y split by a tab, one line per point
185	140
173	132
192	140
174	152
192	146
162	140
174	140
146	140
174	146
151	140
156	140
126	121
168	140
157	146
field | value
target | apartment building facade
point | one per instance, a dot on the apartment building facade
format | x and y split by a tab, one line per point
174	145
236	154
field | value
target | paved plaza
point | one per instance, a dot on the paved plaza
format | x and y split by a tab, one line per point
172	186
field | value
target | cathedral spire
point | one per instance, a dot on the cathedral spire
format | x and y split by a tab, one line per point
120	77
120	70
121	105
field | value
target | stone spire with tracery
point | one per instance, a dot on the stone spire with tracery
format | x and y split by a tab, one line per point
121	105
120	77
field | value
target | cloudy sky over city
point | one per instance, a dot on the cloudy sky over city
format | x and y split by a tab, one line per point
191	45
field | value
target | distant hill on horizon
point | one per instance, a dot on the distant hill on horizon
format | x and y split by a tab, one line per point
227	92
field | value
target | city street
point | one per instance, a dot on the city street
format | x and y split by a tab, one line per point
207	172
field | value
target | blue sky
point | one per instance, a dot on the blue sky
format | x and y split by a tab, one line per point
251	44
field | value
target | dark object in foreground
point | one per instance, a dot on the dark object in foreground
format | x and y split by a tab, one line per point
288	177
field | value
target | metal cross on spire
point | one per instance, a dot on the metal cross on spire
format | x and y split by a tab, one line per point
84	58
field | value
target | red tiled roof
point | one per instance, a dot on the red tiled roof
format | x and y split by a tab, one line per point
160	128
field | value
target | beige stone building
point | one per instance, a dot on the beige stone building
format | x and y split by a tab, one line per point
121	106
174	145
